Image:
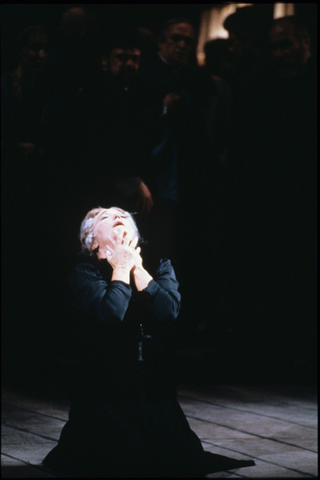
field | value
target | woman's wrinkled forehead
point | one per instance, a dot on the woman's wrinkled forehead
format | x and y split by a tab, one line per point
110	211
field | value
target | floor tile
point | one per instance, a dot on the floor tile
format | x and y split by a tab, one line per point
296	414
46	407
35	423
267	466
305	461
259	447
11	468
31	451
275	427
208	431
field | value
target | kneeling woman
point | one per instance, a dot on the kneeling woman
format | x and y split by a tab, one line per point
125	420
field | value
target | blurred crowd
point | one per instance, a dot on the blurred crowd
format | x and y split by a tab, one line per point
218	163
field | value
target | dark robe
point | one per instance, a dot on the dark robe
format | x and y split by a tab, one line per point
125	420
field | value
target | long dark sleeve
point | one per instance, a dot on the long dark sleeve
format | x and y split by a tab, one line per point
162	293
93	295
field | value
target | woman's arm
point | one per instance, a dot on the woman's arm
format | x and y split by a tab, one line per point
108	303
140	276
92	294
161	293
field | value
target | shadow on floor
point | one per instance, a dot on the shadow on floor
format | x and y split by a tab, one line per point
25	471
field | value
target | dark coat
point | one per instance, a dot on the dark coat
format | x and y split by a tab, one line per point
178	139
125	420
112	315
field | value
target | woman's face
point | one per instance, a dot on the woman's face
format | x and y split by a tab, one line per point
111	222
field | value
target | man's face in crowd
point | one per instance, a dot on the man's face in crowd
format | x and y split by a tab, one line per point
289	51
35	54
178	45
124	62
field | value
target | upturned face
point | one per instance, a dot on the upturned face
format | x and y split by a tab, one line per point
111	222
178	45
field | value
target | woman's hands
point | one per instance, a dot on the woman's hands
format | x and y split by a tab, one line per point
140	276
124	257
121	253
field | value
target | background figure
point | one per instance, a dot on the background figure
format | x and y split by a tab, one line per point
148	42
217	115
218	61
111	128
183	170
161	79
44	230
247	29
274	208
73	67
23	95
219	57
23	107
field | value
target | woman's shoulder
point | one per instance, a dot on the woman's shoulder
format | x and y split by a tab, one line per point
88	269
81	262
83	270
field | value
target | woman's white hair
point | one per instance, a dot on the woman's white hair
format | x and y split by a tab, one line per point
87	235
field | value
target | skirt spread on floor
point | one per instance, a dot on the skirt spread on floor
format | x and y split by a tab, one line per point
144	438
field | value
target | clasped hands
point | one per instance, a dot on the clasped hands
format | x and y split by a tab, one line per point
122	251
124	256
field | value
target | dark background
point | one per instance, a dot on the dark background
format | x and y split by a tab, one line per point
206	365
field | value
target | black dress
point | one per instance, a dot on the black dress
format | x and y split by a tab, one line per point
125	420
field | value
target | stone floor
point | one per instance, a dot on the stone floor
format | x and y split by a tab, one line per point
274	426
